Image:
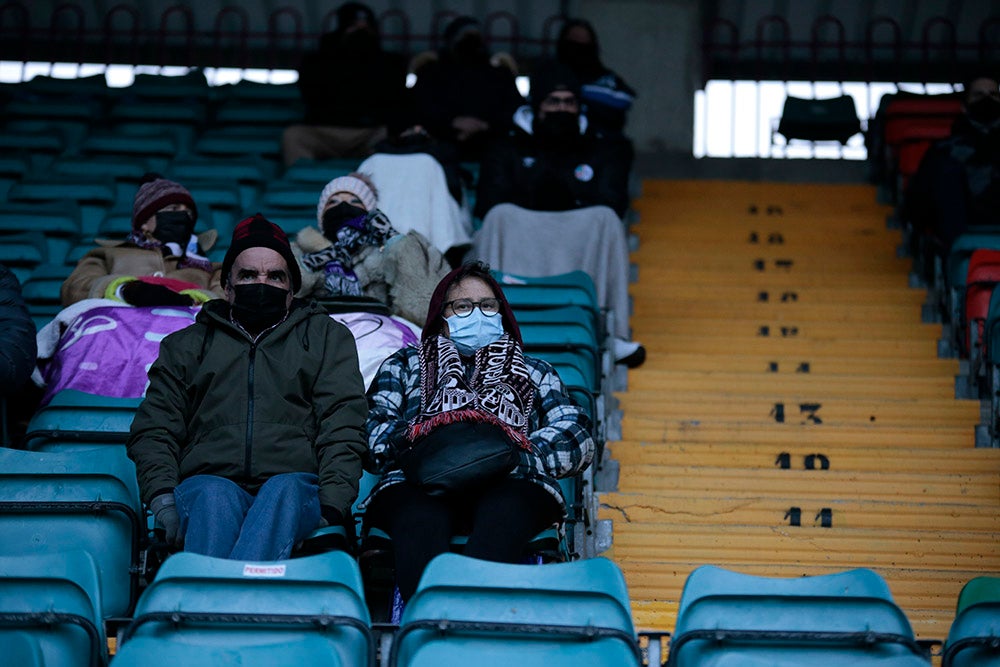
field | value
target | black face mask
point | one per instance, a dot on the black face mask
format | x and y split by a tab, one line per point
258	306
173	227
337	216
558	128
580	57
471	50
985	111
360	41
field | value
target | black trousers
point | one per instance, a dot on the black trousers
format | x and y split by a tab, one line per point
500	520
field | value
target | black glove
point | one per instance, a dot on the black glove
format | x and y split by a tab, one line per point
138	293
332	516
166	516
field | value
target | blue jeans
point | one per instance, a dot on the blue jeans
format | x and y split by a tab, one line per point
218	518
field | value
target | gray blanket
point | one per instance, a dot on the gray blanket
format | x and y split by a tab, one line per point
542	243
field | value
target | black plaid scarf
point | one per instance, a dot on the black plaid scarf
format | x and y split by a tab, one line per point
500	391
337	261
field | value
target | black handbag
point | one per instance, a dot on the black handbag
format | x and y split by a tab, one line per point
457	456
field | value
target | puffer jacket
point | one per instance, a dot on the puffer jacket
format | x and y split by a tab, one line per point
17	335
113	259
221	403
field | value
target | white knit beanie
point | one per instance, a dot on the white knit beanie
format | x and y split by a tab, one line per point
350	183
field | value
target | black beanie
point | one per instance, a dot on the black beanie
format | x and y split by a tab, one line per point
259	232
350	13
551	77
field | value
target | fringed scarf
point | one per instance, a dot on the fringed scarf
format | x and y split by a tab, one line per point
500	391
189	259
337	261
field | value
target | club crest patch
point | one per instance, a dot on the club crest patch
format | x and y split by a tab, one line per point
583	172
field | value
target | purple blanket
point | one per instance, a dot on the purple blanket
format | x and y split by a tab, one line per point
108	350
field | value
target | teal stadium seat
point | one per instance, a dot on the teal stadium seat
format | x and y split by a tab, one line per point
846	618
255	142
471	612
57	224
22	252
974	638
94	194
50	611
319	172
248	175
85	500
573	288
208	611
74	417
41	291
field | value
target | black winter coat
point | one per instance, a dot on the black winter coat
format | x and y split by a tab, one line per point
519	170
17	335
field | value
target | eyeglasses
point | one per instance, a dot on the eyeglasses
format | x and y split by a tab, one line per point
464	307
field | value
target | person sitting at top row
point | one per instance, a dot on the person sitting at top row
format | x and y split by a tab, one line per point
551	197
161	262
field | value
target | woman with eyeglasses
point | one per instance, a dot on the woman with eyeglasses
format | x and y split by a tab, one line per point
470	369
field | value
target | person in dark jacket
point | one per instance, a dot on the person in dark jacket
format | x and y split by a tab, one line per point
461	97
471	369
353	91
17	337
252	429
957	185
605	94
551	161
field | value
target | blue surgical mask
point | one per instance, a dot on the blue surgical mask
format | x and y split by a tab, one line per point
475	330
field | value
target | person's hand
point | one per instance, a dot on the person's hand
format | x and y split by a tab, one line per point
138	293
466	126
165	513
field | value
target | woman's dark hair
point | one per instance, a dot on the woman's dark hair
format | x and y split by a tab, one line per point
435	312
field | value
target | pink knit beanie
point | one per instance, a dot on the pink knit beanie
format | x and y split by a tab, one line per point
357	184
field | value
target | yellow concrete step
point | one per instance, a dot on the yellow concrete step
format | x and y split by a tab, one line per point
928	597
631	455
636	427
816	485
736	547
886	350
705	408
790	326
795	386
786	364
895	297
659	512
773	276
724	310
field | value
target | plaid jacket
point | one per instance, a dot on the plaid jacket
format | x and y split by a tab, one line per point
560	432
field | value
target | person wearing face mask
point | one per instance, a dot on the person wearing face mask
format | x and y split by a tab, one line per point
552	160
470	368
551	197
460	96
161	262
251	434
354	91
605	94
355	251
957	186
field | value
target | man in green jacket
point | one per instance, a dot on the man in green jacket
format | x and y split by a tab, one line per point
252	429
